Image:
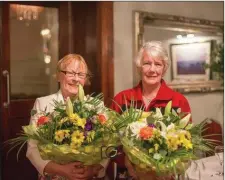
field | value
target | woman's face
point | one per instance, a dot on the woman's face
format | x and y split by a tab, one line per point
73	74
152	70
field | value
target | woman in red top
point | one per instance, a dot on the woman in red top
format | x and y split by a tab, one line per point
152	63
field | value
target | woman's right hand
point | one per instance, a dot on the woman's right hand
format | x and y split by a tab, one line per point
130	168
71	171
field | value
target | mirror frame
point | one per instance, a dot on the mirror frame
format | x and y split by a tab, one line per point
141	18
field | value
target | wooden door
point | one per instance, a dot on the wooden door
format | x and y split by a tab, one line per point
27	60
89	34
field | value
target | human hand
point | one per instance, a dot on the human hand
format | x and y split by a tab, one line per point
92	171
130	168
71	171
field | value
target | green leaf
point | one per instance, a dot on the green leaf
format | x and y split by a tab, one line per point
168	108
157	156
162	152
189	126
184	121
33	112
150	120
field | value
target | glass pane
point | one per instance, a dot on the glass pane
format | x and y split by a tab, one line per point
33	51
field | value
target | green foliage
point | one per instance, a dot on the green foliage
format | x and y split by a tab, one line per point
217	60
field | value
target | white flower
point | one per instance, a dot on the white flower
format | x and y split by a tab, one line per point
158	113
169	130
89	107
135	127
163	134
100	108
170	127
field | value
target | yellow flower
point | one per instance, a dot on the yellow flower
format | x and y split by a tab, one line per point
81	122
73	117
63	120
60	135
77	137
181	138
187	144
172	141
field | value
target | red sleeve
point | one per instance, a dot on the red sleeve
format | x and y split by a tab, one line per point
117	102
184	105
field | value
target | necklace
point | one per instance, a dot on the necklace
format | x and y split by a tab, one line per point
148	99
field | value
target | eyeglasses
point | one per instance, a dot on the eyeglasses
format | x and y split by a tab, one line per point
147	66
73	74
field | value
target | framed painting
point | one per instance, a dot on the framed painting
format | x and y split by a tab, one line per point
188	61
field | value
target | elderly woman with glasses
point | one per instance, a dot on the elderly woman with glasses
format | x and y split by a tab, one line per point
152	63
71	71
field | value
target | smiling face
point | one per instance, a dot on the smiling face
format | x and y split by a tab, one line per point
152	69
69	83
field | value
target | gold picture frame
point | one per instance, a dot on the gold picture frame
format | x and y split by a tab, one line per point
141	19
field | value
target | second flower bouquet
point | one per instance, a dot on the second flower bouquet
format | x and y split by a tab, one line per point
160	142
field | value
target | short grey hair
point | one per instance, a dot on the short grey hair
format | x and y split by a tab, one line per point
154	49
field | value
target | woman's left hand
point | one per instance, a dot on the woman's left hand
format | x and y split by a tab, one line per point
91	171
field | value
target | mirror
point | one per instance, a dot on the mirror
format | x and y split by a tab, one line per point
190	44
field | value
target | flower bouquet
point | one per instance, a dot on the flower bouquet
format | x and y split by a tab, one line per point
160	142
78	130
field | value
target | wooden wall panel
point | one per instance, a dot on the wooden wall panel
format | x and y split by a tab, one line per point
105	53
92	26
85	39
63	29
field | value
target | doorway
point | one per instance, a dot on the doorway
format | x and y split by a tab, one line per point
29	52
28	58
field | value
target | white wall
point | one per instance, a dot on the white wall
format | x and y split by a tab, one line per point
202	105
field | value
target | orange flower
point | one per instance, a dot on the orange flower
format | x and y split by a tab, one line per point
101	118
146	132
42	120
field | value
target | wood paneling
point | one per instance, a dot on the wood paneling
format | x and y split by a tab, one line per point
105	53
92	34
85	40
1	89
63	30
4	60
